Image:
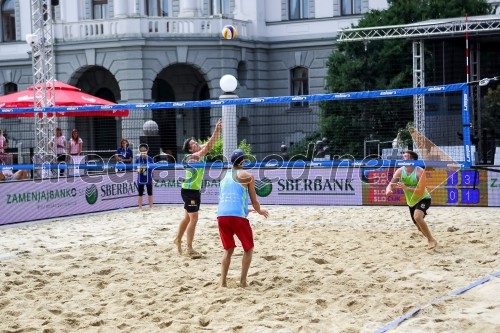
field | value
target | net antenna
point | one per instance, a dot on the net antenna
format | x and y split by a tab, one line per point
484	82
429	151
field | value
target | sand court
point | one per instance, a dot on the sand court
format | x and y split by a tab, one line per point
315	269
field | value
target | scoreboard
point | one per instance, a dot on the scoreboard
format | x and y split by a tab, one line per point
447	187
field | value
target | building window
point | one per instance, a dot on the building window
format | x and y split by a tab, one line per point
351	7
220	7
299	84
242	72
8	21
157	7
100	9
9	88
299	9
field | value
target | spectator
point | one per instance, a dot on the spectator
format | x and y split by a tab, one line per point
144	174
60	142
284	152
8	175
75	152
75	144
3	143
124	153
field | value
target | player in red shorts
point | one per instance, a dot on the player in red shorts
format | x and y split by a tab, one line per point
232	214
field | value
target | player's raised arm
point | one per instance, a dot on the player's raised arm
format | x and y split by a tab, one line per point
205	149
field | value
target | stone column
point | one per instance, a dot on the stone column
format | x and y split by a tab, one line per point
120	8
238	9
189	8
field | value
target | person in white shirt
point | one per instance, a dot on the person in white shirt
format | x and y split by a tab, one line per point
75	144
60	145
3	142
4	158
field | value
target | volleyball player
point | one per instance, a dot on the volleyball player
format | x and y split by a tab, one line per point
235	189
411	179
191	190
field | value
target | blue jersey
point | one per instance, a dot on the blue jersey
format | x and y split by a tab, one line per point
146	174
125	153
233	197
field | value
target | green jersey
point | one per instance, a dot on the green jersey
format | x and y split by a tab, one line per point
411	181
194	177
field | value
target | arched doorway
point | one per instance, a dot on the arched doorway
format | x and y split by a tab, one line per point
99	133
105	128
175	83
204	115
165	118
243	129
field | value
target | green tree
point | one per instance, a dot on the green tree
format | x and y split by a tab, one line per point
491	114
217	150
385	64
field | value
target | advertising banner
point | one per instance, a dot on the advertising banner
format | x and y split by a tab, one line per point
33	200
493	189
30	200
322	186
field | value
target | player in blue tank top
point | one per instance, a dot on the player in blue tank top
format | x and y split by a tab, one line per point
233	196
237	186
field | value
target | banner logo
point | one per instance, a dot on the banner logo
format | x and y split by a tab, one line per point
91	194
263	187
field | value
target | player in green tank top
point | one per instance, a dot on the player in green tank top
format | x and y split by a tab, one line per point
411	179
194	177
191	190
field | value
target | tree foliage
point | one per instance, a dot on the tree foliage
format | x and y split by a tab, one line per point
491	115
216	154
353	69
385	64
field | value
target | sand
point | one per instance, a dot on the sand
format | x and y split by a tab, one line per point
315	269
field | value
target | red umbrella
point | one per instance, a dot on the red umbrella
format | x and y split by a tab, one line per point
65	95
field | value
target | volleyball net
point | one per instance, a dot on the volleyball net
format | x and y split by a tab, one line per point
343	129
327	149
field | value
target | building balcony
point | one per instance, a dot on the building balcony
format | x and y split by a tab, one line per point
146	27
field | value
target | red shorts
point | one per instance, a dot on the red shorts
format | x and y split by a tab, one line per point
234	225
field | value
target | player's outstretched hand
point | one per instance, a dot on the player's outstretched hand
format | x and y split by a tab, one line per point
264	213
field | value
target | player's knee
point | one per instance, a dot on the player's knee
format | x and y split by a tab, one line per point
418	216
